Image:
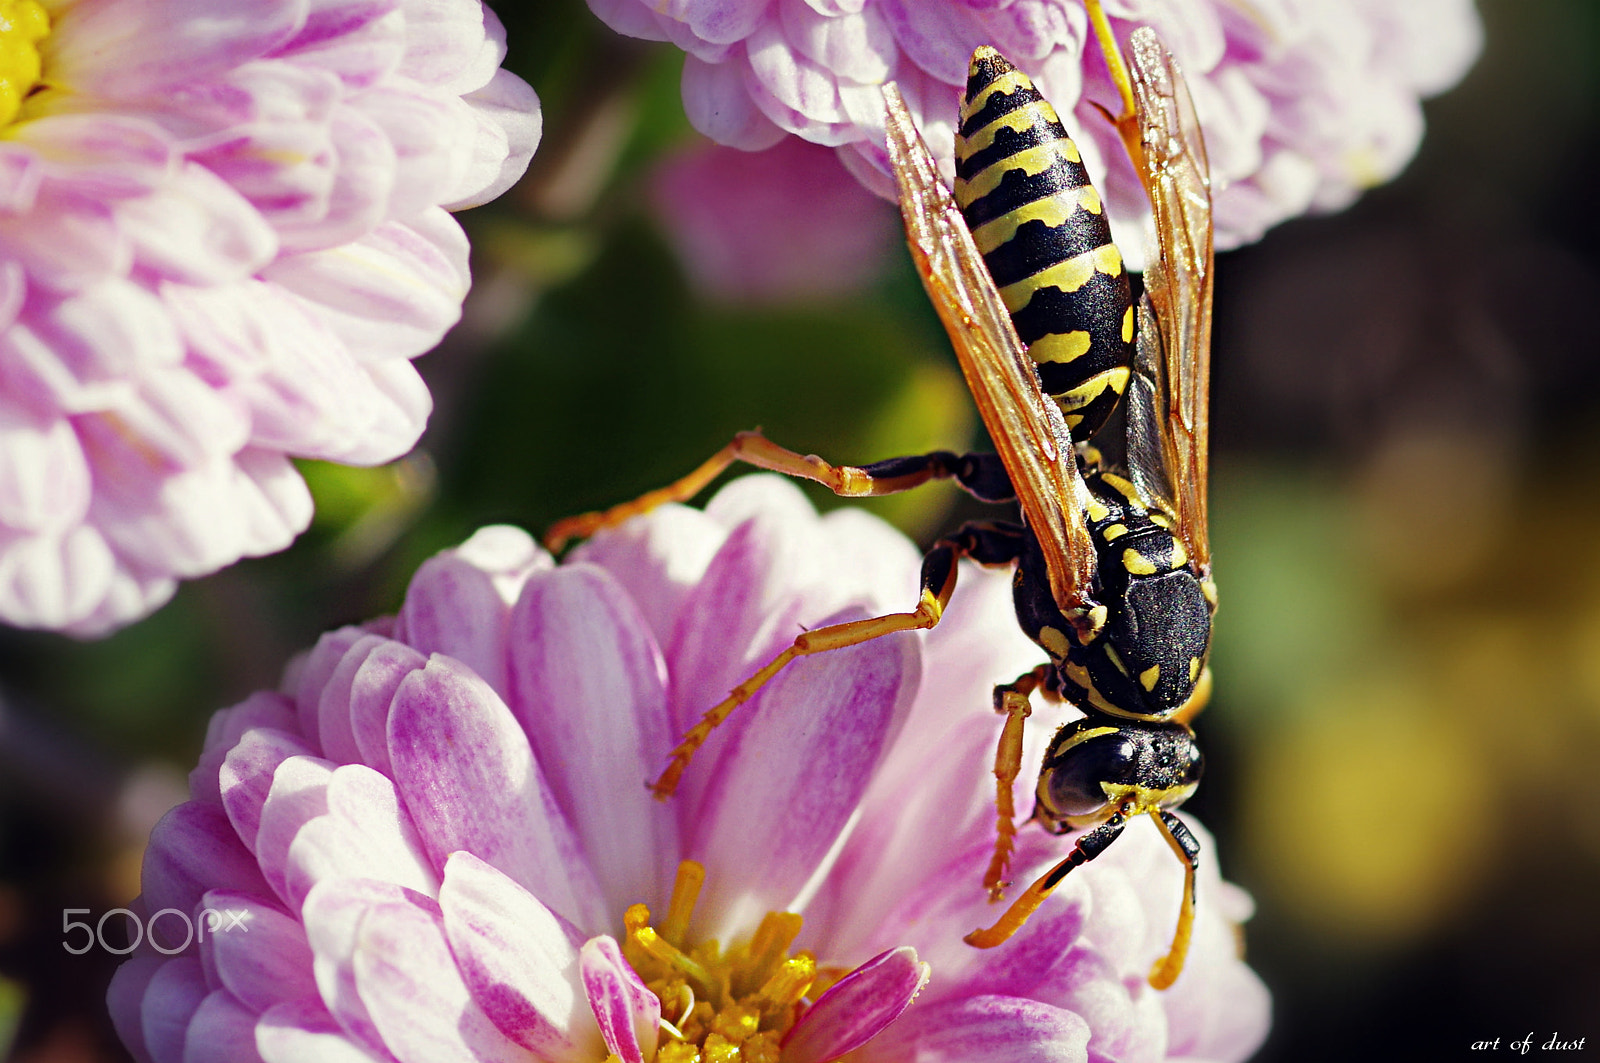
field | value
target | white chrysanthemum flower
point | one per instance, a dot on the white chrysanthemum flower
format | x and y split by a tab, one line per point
223	235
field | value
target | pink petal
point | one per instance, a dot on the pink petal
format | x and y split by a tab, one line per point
302	1031
949	892
258	953
628	17
506	554
508	124
132	594
414	992
178	420
170	1001
771	579
82	352
334	727
718	21
1225	1016
222	1031
44	477
122	50
264	708
938	38
67	245
307	393
55	580
1126	1025
657	559
985	1029
371	693
124	997
795	93
718	106
362	685
464	768
365	832
430	137
1040	960
333	913
454	46
245	778
518	961
194	849
725	209
101	155
272	140
857	1008
459	602
795	774
628	1013
357	199
358	40
299	794
397	288
312	673
755	616
590	691
199	230
20	176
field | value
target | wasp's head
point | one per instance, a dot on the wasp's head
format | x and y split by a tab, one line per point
1099	765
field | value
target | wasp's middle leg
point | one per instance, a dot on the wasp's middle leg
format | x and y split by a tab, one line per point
984	542
1011	699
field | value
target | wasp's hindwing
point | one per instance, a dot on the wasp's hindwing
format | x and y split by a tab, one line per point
1042	230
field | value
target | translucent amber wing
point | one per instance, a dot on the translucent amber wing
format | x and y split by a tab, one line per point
1027	428
1176	355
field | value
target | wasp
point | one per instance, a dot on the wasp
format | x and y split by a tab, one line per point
1112	565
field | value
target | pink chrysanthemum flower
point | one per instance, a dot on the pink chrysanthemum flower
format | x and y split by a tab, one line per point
440	838
223	233
1302	103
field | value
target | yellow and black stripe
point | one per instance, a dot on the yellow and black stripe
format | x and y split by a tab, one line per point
1040	225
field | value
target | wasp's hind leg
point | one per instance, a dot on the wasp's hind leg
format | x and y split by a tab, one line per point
1011	700
979	541
980	474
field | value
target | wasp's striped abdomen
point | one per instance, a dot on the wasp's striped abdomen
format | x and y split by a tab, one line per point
1039	223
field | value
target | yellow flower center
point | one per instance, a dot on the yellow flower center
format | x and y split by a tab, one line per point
23	24
716	1006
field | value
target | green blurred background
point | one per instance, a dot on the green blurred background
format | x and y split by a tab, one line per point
1405	741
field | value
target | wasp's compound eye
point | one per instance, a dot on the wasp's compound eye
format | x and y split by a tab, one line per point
1075	779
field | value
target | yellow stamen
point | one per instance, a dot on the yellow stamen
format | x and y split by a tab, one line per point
685	893
730	1006
785	988
767	949
23	24
646	938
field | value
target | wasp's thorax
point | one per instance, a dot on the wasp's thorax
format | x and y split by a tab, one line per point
1142	650
1098	766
